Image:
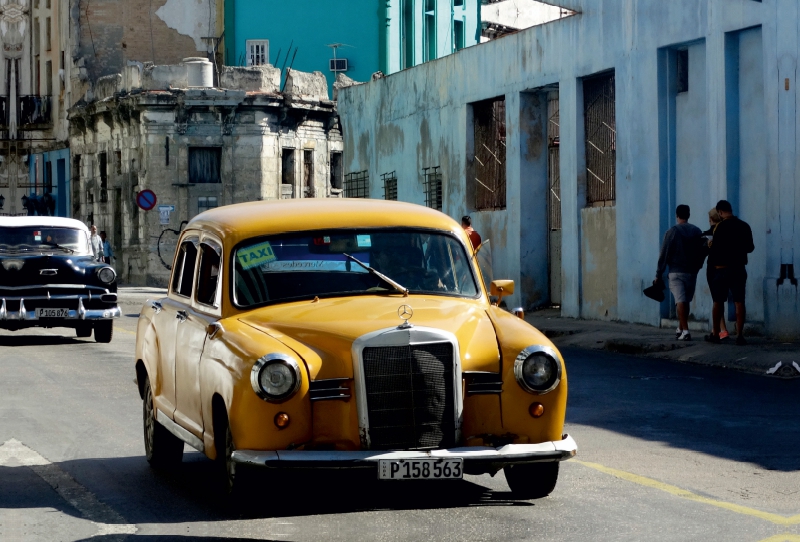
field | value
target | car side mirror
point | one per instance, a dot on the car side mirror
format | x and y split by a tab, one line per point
501	288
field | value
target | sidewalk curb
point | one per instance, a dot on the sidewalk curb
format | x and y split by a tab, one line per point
760	357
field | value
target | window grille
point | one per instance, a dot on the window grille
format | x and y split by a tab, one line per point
257	52
356	185
553	162
489	118
390	186
433	187
287	167
204	203
601	136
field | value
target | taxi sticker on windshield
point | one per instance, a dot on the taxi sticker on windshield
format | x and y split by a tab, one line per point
255	255
37	236
364	240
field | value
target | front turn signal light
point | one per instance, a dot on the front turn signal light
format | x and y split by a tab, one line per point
536	410
281	420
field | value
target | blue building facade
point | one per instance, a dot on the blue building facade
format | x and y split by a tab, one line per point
571	143
364	36
48	192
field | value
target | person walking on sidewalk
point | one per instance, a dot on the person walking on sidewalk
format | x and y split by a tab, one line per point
680	251
713	221
108	253
97	245
728	250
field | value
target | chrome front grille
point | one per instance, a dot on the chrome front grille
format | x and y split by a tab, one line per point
410	396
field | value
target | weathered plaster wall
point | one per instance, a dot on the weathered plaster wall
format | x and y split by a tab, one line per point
599	263
414	118
112	32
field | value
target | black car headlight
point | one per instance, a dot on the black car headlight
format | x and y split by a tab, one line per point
275	377
538	369
106	274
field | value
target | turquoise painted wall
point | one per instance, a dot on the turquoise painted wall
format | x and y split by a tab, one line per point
373	31
309	26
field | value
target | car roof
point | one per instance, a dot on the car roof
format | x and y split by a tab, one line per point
233	223
46	221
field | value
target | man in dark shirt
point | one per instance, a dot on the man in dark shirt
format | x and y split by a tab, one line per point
679	252
727	256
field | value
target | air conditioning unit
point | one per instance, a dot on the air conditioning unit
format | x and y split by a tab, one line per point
338	64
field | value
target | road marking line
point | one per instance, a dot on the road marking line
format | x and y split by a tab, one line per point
108	521
777	519
782	538
124	330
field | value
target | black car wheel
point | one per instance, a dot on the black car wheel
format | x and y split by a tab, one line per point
162	448
229	472
532	481
104	331
83	331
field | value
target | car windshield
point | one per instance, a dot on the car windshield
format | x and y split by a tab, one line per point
322	264
43	238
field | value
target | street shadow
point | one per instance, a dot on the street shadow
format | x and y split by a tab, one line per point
40	340
719	412
191	492
167	538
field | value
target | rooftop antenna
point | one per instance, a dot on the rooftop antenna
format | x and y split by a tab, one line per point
335	47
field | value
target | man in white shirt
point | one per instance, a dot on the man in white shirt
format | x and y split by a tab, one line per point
97	245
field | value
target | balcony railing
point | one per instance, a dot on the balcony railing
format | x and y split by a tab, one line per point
34	110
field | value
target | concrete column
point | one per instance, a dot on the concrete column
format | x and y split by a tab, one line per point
573	192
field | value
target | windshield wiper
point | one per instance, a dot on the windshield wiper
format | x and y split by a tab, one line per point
396	285
56	245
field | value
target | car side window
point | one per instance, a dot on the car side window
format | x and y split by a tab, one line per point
183	273
208	277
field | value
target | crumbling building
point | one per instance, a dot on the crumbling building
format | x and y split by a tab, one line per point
195	145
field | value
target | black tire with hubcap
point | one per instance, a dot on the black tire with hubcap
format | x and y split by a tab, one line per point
229	473
533	480
104	331
162	448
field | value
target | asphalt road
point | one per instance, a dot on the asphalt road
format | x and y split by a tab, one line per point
667	452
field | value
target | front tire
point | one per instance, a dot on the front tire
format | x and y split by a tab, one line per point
83	331
104	331
231	481
533	480
162	448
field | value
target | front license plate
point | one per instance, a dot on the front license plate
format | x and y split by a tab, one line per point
52	313
421	469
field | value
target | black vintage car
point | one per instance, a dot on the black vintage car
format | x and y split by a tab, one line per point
50	278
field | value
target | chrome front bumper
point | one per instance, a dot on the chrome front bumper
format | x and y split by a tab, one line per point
477	459
81	313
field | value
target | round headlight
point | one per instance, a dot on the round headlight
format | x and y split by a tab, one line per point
106	274
538	369
275	377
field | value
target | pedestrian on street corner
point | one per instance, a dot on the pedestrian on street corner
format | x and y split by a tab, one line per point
713	221
728	250
97	245
681	251
107	252
474	237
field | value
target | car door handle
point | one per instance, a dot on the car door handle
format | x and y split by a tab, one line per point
158	307
181	315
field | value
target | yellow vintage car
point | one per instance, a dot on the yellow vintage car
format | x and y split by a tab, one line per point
346	333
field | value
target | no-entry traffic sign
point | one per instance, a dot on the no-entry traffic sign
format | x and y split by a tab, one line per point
146	199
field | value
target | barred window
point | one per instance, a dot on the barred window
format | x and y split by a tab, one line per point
308	174
489	118
356	185
601	139
433	187
336	170
390	186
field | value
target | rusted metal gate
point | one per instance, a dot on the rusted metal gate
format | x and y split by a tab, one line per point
601	139
489	117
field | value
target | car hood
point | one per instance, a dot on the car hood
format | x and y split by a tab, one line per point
322	332
20	269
